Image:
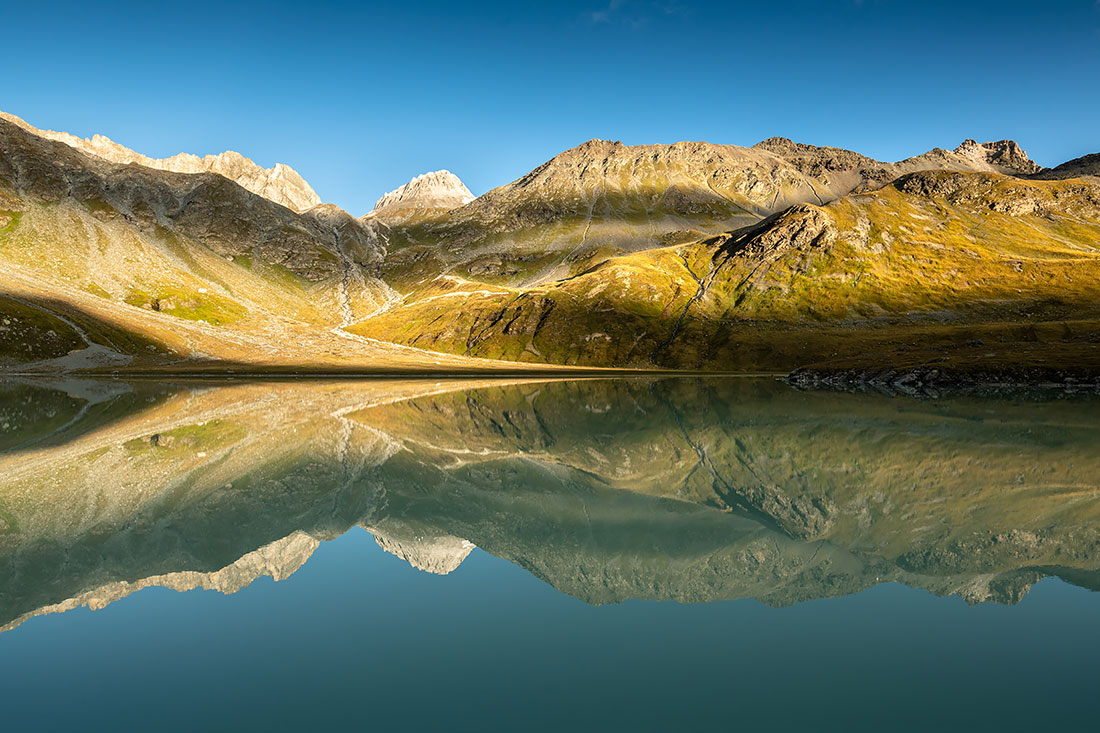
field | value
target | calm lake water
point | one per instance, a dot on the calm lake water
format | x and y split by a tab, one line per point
643	554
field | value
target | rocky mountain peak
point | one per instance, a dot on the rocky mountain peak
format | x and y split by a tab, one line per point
597	144
816	160
434	192
1003	156
280	183
781	146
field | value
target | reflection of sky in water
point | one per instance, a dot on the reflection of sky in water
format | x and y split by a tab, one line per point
358	638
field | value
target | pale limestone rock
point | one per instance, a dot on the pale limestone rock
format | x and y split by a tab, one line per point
431	193
280	183
1003	156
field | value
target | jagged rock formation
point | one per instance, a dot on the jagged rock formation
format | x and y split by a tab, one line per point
278	560
280	183
1003	156
427	195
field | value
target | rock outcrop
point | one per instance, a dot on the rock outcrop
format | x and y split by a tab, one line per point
280	183
1003	156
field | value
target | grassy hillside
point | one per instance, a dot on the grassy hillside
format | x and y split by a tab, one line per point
684	256
604	198
120	267
935	261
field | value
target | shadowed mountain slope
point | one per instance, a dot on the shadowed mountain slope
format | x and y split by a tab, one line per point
1086	165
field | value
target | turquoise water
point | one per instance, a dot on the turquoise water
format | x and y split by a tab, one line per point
646	555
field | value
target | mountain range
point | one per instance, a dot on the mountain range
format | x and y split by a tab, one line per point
972	262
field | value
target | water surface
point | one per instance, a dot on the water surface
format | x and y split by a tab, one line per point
603	554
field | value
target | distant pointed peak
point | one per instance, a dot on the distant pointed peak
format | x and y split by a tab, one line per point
435	191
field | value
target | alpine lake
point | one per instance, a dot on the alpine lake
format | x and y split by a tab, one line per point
664	554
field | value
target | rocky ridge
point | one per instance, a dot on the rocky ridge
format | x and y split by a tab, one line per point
221	214
280	183
603	197
768	177
1086	165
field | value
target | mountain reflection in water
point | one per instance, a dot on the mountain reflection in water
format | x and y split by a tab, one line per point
683	489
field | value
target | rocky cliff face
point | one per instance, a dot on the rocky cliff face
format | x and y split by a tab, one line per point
430	194
280	183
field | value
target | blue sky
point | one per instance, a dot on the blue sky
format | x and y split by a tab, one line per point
360	97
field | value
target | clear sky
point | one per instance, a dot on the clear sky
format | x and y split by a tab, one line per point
359	97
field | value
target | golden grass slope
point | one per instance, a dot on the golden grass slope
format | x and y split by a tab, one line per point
125	268
937	259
